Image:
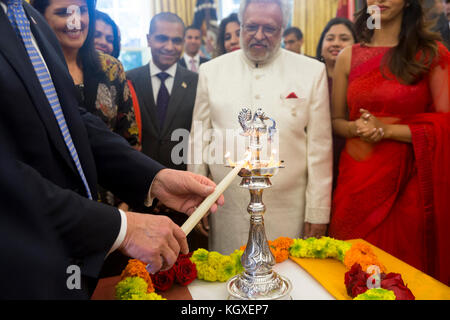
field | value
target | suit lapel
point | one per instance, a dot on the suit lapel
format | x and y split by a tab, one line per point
178	91
13	50
144	84
182	62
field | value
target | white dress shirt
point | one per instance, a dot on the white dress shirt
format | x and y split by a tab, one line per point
156	82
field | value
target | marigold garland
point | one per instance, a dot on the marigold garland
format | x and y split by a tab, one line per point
376	294
213	266
362	254
322	248
136	268
279	248
135	288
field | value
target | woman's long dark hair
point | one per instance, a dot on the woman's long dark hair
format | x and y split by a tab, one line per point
99	15
333	22
417	47
221	36
87	54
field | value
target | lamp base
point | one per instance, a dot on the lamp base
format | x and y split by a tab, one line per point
271	286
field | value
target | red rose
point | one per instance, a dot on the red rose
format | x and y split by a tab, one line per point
185	271
359	288
394	282
163	280
356	281
185	256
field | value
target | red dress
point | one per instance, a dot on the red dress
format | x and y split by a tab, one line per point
397	195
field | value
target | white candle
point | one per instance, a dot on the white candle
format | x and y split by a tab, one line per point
203	209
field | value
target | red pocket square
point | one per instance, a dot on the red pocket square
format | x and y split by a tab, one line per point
292	95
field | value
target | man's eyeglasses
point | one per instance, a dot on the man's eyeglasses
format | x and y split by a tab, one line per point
268	30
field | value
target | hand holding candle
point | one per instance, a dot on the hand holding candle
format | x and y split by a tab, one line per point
203	209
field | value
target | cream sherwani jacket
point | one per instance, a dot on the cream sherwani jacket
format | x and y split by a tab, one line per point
302	190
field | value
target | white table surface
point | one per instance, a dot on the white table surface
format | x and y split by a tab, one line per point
304	286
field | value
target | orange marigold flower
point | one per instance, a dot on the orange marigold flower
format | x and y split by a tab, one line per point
279	248
136	268
280	254
283	242
362	253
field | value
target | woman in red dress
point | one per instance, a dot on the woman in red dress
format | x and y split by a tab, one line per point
391	103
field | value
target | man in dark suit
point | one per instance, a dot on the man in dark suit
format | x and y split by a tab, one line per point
166	103
62	184
191	58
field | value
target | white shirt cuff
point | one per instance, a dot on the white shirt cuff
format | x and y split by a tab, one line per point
317	215
123	225
122	233
149	201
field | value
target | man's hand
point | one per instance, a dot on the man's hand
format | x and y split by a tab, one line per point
154	240
183	191
314	230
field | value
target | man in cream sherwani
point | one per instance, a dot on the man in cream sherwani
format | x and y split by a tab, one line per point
293	90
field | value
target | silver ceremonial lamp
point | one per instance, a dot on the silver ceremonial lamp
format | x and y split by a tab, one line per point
258	281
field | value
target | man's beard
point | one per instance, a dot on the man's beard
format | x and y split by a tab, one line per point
260	59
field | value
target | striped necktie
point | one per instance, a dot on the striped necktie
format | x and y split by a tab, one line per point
19	21
193	65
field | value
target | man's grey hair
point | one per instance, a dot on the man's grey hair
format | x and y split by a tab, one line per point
285	6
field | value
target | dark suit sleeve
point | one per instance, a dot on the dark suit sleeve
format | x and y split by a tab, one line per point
78	220
74	220
123	170
29	246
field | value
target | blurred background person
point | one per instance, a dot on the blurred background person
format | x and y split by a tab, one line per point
436	12
229	35
447	11
107	34
191	58
107	40
293	39
337	34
